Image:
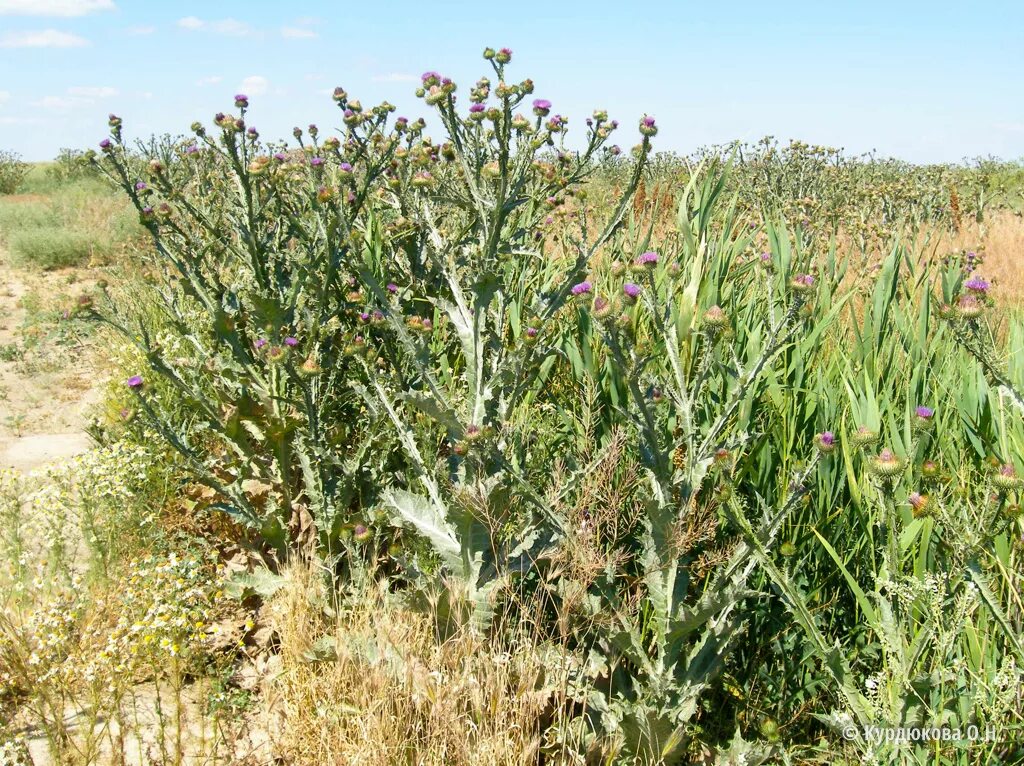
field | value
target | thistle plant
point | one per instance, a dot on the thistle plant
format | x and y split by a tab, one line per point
257	246
466	338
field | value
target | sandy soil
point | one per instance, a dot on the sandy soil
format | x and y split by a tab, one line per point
47	383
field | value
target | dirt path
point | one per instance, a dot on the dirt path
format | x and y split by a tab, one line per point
47	380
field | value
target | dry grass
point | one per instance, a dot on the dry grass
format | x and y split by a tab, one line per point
1000	241
396	694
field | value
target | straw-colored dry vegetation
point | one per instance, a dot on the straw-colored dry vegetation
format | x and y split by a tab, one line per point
479	449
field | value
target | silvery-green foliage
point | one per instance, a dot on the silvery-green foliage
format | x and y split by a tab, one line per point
471	297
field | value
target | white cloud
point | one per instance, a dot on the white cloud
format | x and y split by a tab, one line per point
254	85
47	38
75	97
395	77
229	27
298	33
202	82
66	8
141	30
1010	127
93	92
21	121
61	103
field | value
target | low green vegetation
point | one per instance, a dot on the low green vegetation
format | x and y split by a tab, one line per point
56	222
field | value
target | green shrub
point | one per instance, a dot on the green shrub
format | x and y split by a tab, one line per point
75	222
52	248
12	172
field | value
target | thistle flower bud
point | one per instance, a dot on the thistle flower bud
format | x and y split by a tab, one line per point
241	101
503	56
864	437
310	368
1006	479
656	394
969	307
489	53
277	354
339	95
647	127
531	334
930	470
802	283
631	291
886	464
361	533
825	442
787	549
923	418
769	729
422	180
135	382
473	433
919	504
602	307
715	320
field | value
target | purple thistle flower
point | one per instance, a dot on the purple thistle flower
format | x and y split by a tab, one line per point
316	161
541	107
140	186
531	332
345	167
134	382
430	77
290	341
364	317
924	413
977	285
802	283
633	291
105	144
648	259
582	288
280	156
241	100
477	108
392	288
191	149
260	343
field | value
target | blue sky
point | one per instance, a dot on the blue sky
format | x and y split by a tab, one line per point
921	81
